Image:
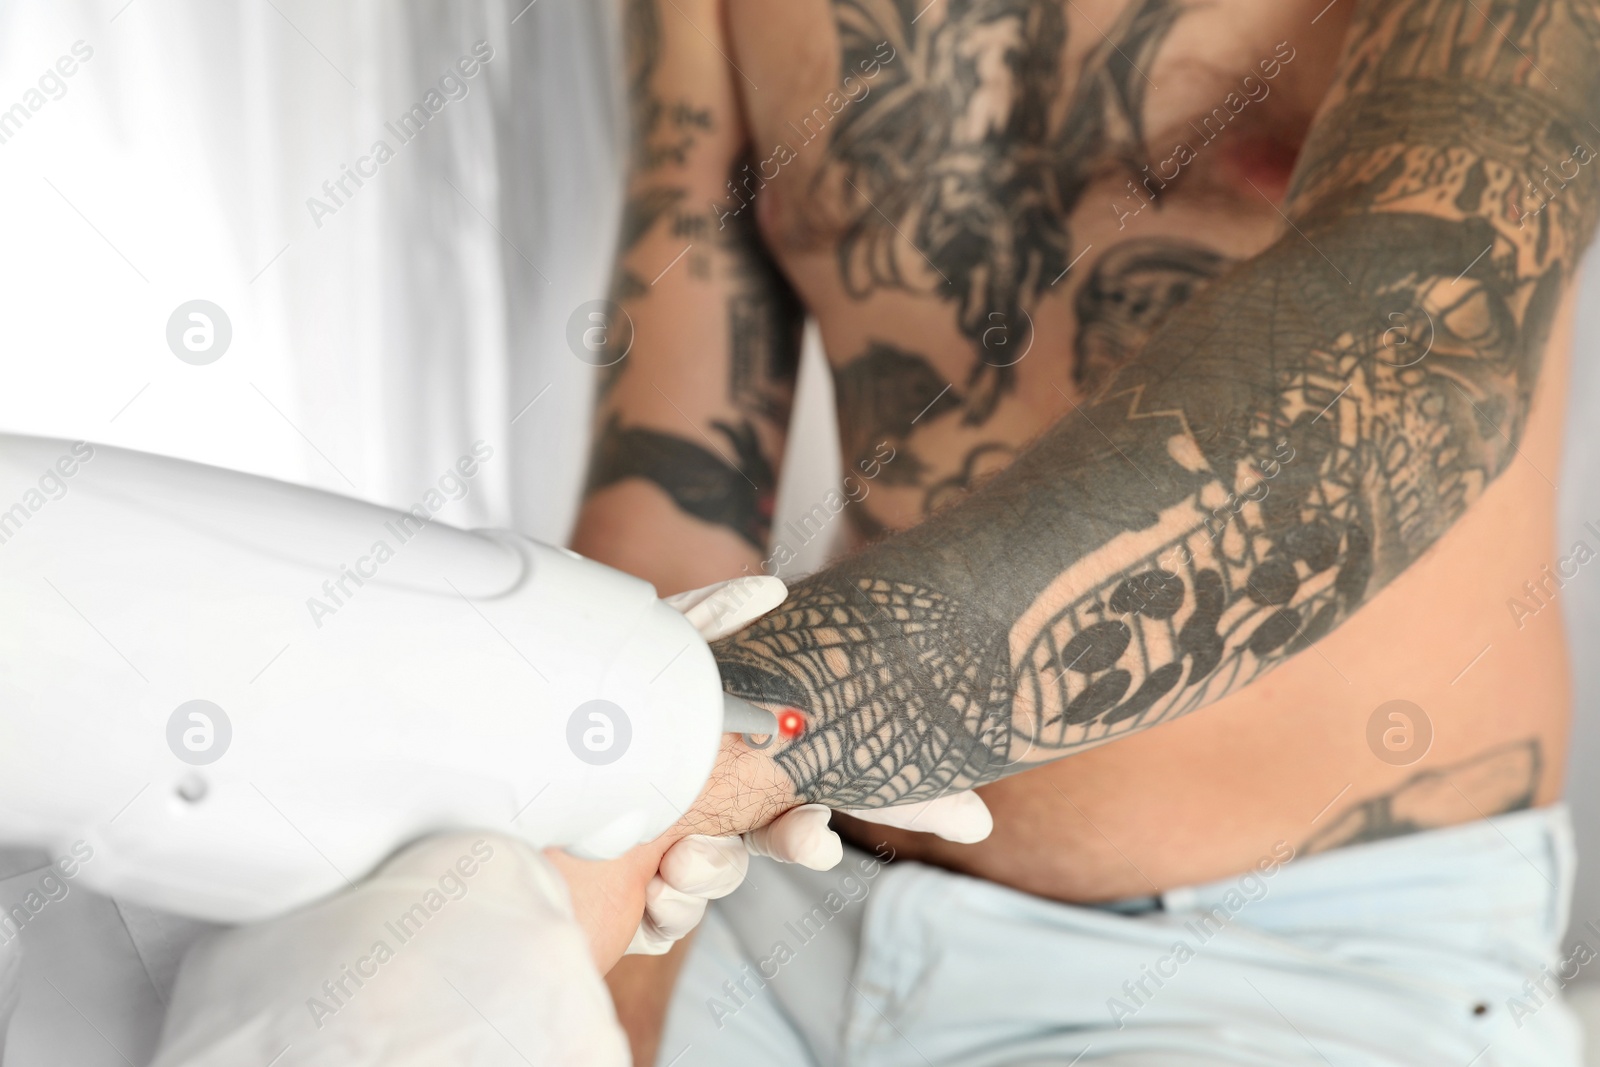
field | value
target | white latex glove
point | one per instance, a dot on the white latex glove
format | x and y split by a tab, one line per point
699	869
421	964
722	608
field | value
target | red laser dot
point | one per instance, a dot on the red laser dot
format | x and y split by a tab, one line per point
791	723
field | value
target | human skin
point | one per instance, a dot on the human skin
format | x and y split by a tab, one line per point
1272	459
1228	484
608	896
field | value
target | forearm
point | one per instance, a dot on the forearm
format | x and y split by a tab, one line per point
633	530
694	406
1283	448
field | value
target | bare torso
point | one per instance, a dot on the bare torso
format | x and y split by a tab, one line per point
1293	757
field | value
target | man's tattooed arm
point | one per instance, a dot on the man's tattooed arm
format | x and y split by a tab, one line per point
1283	447
706	429
664	133
699	480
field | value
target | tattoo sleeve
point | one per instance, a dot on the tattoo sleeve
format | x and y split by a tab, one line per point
1283	446
715	456
701	482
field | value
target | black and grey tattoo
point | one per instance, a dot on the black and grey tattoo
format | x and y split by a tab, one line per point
737	494
881	395
765	319
640	213
962	168
1130	290
979	462
763	316
664	133
1497	782
1285	445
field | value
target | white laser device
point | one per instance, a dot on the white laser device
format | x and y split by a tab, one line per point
242	695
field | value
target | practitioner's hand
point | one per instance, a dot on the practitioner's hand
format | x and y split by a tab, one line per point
610	896
461	949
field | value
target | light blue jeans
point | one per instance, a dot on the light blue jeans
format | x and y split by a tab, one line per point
1423	951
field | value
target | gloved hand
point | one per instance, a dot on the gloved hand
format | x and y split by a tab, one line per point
462	949
699	869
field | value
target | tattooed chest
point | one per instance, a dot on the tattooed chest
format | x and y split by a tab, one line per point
990	172
916	398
